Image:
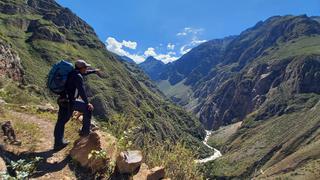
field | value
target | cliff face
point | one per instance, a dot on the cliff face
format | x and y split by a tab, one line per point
262	87
265	62
10	63
35	34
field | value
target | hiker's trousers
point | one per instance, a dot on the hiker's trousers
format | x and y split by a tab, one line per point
65	112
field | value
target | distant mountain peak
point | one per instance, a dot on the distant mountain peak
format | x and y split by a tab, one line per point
153	59
153	67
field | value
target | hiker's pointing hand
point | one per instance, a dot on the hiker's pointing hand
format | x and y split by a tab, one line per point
98	72
90	107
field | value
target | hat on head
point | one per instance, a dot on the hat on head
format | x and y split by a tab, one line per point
81	64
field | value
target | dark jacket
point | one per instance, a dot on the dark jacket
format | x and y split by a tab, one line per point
75	86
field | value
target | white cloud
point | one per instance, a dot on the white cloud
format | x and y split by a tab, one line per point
191	34
137	58
150	52
190	31
130	44
117	47
172	53
181	34
195	42
187	47
170	46
184	49
166	58
189	37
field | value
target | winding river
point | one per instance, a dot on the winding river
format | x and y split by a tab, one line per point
216	154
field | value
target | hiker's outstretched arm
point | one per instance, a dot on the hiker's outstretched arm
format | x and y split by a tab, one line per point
91	71
81	90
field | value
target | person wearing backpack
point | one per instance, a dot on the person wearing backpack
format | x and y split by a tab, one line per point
69	101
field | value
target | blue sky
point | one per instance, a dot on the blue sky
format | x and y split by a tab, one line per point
167	29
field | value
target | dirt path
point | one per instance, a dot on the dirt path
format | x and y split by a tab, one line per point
56	165
46	139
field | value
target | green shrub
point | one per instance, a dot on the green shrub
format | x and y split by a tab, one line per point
15	94
121	127
23	169
177	160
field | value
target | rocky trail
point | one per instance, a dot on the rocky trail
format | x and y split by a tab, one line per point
55	165
95	156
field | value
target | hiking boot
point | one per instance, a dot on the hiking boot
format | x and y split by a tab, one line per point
60	146
84	134
94	127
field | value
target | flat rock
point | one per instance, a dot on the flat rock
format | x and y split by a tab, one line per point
128	162
94	142
145	173
46	108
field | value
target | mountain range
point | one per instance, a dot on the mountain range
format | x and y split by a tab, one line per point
267	78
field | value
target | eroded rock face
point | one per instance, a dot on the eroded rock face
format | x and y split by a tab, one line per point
10	63
253	88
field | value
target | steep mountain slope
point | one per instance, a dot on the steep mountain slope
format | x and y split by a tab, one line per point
124	58
153	67
282	147
38	33
243	73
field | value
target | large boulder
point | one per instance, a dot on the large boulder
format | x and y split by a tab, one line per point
129	162
145	173
84	148
156	173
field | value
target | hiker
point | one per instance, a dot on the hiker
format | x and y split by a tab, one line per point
69	102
